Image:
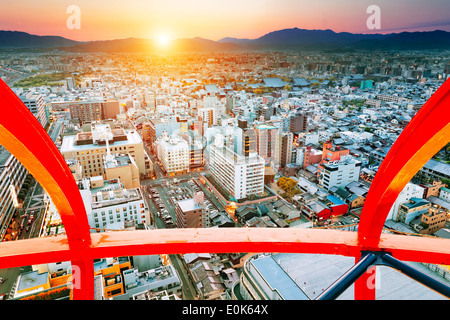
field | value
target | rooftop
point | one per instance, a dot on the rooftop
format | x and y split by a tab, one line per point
415	202
118	160
306	275
69	142
438	166
188	205
265	126
32	279
278	279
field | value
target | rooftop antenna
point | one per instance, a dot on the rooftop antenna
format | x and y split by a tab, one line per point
104	133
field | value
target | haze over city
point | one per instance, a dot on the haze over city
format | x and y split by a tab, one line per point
213	19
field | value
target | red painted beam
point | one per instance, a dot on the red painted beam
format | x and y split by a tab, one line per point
222	240
23	136
426	134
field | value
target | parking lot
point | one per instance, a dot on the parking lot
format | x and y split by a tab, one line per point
164	199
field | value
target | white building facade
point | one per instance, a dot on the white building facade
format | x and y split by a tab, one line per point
340	173
239	175
174	154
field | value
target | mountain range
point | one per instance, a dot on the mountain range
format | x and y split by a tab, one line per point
286	39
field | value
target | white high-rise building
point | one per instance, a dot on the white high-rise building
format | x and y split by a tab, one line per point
12	177
109	205
36	104
340	173
173	152
209	115
241	176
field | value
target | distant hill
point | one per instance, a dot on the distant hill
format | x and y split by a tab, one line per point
18	39
320	39
285	39
149	45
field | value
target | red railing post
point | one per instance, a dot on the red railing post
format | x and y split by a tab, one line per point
23	136
426	134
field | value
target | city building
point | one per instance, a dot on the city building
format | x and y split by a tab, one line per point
238	175
12	178
36	104
432	189
298	123
109	205
412	208
284	148
266	141
43	284
89	148
410	191
123	167
331	153
89	111
157	126
444	194
340	173
112	272
244	141
190	213
162	280
208	115
433	220
174	154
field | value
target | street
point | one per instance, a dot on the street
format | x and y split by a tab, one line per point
33	206
189	291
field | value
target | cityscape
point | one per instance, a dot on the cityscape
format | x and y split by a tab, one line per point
234	133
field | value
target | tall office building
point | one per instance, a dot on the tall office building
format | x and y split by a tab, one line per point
12	176
88	111
298	123
266	141
244	141
36	104
241	176
209	115
191	214
109	204
340	173
90	147
174	154
284	148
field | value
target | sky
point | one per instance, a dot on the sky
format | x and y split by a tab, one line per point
216	19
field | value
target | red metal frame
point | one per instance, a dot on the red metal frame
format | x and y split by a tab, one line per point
426	134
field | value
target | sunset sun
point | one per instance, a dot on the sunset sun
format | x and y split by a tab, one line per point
163	40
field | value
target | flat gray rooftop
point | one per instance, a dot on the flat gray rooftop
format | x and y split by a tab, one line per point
316	272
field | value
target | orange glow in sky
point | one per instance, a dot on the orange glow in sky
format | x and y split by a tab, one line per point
214	19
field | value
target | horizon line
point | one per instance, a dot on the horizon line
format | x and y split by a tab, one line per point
387	32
